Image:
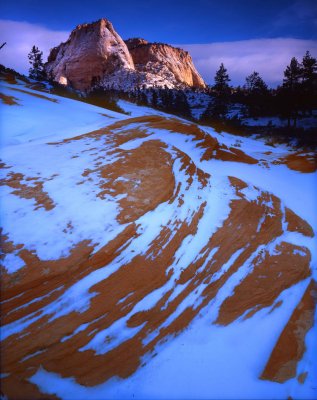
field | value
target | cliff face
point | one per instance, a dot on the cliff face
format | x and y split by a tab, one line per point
95	55
91	52
153	58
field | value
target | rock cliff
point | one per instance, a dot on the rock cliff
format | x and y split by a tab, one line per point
91	52
95	55
160	59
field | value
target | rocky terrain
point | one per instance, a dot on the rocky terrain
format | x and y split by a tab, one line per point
95	55
160	62
143	249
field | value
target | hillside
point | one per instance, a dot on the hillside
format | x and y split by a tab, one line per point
148	257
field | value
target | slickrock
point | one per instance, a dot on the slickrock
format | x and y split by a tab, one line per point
119	238
117	312
290	346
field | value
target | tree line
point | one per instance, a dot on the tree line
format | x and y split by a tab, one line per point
297	96
294	98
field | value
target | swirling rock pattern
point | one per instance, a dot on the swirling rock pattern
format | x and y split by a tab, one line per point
138	235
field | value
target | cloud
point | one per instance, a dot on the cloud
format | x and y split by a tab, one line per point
20	37
269	57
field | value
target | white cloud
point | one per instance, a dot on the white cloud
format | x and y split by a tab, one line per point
20	37
269	57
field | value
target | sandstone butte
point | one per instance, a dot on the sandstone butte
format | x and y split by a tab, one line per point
95	55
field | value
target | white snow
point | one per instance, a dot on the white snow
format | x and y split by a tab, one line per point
205	361
302	122
12	263
39	120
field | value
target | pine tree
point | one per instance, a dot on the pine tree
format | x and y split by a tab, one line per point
166	98
291	93
309	69
222	80
255	84
219	105
36	71
292	75
143	98
154	98
180	104
309	82
256	95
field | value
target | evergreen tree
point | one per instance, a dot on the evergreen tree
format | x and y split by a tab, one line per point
222	80
219	105
309	69
37	66
309	82
290	94
143	101
154	98
256	95
255	84
166	97
292	75
180	104
141	97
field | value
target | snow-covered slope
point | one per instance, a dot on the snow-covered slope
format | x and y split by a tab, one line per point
148	257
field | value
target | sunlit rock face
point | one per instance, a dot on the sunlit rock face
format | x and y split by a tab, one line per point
95	55
159	59
91	52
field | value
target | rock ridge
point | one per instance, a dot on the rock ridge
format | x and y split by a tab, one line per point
95	55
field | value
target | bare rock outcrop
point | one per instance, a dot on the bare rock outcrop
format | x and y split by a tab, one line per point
91	52
159	59
95	55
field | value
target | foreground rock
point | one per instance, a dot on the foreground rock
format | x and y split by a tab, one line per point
113	327
118	238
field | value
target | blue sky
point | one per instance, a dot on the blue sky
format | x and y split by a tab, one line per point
246	35
177	21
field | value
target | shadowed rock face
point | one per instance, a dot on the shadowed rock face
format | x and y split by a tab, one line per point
95	55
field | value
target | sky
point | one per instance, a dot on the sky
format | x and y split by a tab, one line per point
246	35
